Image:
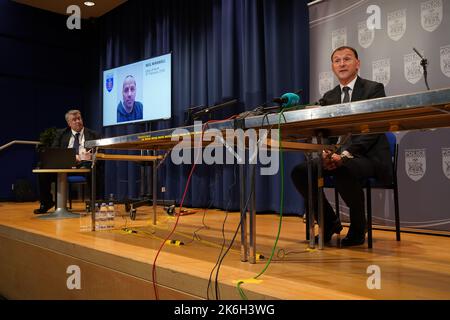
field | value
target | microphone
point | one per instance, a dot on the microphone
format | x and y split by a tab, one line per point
417	52
188	114
215	107
423	63
321	102
288	99
211	109
201	106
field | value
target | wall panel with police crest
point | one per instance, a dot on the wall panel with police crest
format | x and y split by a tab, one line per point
387	56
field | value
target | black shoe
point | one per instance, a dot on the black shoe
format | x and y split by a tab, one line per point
44	208
335	228
350	241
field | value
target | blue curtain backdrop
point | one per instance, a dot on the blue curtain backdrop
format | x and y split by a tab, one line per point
248	50
41	77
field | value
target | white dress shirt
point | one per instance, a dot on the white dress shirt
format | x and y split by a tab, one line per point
81	139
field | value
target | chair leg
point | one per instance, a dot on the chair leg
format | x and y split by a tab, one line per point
83	186
336	201
369	215
338	214
397	214
306	216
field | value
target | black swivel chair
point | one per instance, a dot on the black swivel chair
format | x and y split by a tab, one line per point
372	183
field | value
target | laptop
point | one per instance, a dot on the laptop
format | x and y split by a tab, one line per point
57	158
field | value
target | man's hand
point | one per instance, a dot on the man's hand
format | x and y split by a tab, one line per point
337	159
85	155
326	155
327	161
331	160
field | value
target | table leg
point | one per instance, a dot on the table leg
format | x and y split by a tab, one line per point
243	214
311	222
93	187
252	220
154	191
320	184
61	211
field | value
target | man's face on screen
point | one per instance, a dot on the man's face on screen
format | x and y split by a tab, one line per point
129	93
345	65
75	122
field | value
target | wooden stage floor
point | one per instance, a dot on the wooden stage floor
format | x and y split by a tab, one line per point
35	255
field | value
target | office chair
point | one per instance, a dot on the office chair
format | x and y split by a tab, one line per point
76	180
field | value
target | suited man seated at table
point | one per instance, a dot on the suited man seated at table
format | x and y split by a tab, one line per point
73	136
359	158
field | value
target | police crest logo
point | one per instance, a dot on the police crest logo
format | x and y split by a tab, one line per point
381	71
445	60
431	14
412	69
446	161
109	82
365	35
325	82
396	24
338	38
415	163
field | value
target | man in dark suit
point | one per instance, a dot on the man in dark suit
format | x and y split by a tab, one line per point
73	136
361	157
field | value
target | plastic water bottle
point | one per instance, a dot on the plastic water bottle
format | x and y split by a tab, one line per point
85	221
111	215
103	216
97	217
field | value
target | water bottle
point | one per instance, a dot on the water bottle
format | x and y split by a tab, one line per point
111	215
97	217
103	216
85	221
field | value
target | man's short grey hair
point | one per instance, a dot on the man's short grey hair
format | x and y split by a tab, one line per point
72	112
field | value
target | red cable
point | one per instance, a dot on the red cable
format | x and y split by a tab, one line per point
179	213
170	234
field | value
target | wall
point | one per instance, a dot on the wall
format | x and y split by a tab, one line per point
41	77
387	56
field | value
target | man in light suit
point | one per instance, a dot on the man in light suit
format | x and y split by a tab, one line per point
362	157
73	136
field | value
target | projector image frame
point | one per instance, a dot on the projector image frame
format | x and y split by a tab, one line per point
138	92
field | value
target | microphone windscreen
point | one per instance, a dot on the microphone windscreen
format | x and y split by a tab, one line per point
290	99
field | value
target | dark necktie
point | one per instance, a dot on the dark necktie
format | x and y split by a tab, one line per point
76	143
342	138
346	94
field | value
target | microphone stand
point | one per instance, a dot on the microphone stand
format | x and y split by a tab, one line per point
189	114
209	110
423	63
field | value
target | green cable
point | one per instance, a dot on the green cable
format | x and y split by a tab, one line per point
240	290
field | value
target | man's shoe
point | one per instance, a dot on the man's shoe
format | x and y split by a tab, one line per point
335	228
44	208
353	241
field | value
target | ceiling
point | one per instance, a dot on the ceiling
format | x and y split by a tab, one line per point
60	6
